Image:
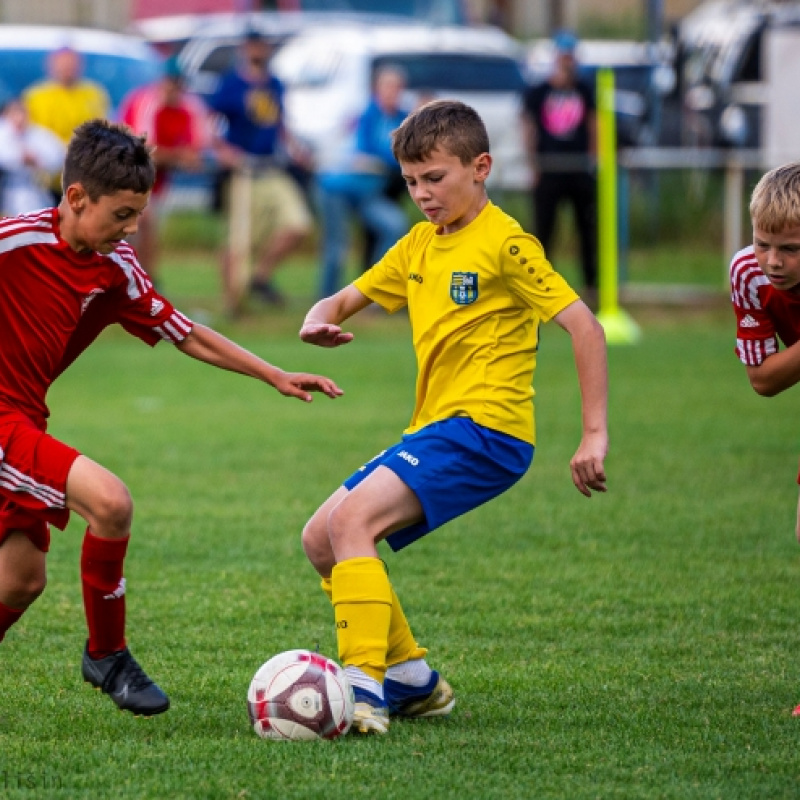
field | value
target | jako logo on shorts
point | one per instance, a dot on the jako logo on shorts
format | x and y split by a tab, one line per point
406	456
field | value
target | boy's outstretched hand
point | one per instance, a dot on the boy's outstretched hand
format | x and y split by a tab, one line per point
324	334
301	384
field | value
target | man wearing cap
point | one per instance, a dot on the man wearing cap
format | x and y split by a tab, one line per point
177	123
560	128
250	99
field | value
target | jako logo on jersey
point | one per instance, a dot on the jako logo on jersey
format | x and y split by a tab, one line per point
406	456
413	276
89	297
749	322
464	287
156	307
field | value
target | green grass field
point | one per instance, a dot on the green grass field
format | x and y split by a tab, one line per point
642	644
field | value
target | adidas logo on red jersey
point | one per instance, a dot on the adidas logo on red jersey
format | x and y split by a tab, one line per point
748	322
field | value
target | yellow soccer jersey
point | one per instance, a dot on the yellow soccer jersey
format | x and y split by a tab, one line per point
475	300
64	108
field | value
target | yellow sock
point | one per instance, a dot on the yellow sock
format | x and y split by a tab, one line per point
402	646
362	605
325	583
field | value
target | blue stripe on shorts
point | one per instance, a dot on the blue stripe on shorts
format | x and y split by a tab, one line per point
452	466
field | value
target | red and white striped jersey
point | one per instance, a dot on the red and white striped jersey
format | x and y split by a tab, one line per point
763	314
54	302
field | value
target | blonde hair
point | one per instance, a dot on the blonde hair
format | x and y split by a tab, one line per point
775	202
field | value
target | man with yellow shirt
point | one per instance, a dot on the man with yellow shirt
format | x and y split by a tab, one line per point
476	287
65	99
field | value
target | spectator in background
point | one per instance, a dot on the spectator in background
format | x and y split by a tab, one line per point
250	99
177	123
29	156
65	100
364	182
560	128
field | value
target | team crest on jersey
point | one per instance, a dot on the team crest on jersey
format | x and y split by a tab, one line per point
464	287
89	297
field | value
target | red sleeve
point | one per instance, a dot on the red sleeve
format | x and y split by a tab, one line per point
138	307
756	337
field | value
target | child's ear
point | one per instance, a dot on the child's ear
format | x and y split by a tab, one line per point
76	197
482	166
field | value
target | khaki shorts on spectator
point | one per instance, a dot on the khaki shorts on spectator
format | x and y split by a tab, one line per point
276	204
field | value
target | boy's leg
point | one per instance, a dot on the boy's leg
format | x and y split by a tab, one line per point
360	588
104	502
411	688
415	689
22	577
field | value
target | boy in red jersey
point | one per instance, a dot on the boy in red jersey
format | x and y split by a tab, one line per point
765	289
65	274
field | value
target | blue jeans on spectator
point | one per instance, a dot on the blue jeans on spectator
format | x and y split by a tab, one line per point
341	194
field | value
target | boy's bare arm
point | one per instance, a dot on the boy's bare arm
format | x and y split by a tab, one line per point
213	348
777	372
321	325
589	347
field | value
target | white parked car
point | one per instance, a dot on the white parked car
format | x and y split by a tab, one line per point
328	72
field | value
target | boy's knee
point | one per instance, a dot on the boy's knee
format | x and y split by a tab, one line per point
315	543
113	512
339	524
25	590
308	538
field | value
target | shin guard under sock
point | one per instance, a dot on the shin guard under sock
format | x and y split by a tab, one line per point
401	644
103	593
362	605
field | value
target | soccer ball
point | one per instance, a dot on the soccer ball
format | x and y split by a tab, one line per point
300	695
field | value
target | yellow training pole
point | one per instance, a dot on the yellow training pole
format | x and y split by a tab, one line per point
618	325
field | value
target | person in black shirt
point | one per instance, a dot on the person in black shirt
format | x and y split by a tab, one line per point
559	118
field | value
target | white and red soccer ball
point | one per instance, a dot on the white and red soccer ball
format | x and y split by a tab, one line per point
300	695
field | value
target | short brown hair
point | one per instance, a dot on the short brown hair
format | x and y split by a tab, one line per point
447	124
775	202
106	158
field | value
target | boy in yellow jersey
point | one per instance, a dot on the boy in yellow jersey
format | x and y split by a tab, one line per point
476	287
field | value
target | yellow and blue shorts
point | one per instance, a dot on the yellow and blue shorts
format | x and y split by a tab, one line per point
452	466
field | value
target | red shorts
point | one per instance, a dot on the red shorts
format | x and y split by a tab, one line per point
33	479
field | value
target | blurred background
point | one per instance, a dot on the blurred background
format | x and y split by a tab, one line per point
703	102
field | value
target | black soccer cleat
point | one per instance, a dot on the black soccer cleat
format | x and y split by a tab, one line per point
120	676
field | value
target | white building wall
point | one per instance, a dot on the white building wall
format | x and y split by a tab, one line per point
108	14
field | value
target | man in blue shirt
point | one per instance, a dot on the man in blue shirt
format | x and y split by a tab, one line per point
250	99
361	183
